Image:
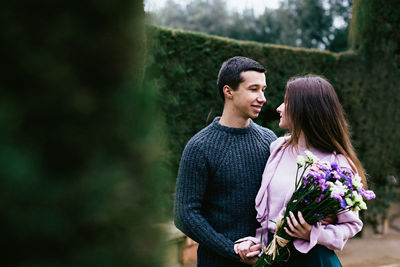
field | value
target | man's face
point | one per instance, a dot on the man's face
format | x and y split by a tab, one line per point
249	97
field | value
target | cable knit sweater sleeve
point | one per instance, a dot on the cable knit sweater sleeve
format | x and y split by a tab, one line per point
190	190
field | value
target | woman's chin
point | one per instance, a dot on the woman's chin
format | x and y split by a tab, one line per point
283	126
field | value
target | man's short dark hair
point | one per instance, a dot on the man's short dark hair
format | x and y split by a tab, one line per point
230	71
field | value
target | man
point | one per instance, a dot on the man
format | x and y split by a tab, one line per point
221	168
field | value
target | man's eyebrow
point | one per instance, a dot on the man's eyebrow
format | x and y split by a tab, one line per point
256	84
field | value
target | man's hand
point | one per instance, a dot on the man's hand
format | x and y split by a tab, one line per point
248	251
298	229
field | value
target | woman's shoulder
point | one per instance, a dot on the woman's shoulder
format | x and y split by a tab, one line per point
278	146
340	159
279	142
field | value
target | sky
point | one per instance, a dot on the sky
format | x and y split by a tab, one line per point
234	5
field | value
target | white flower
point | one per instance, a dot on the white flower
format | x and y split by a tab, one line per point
363	205
356	208
359	200
338	190
300	161
357	181
349	201
311	158
341	188
356	202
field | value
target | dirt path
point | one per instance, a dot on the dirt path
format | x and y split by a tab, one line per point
375	250
372	251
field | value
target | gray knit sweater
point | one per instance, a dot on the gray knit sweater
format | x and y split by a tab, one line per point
218	179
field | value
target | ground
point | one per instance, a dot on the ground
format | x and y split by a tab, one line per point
374	250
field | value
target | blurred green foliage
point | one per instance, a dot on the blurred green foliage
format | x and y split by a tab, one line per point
184	67
80	152
375	35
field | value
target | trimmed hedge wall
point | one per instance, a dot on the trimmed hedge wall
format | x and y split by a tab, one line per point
183	66
186	64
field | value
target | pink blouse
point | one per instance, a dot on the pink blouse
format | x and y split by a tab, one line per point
276	189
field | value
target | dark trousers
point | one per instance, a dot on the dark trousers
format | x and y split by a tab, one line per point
317	256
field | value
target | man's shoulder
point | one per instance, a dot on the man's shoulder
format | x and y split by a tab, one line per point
266	132
202	137
263	129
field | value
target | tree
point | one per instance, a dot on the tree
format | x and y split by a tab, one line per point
207	16
309	23
305	23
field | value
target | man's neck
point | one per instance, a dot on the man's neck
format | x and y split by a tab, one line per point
232	120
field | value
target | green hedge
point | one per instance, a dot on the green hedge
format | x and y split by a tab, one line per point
80	179
183	66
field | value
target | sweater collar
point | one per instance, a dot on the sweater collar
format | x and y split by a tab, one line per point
232	130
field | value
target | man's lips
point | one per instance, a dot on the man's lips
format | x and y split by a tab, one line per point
257	107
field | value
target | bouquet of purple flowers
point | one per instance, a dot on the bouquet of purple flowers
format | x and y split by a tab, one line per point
326	191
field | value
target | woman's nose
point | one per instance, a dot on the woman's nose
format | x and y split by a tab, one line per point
279	109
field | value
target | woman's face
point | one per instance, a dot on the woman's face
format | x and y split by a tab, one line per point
284	121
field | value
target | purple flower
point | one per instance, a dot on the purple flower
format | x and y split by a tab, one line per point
320	198
324	187
349	184
324	167
343	203
336	175
336	196
334	165
328	175
369	195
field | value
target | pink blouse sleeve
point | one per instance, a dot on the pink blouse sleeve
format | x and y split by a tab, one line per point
332	236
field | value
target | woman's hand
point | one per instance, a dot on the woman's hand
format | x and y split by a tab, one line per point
298	229
330	220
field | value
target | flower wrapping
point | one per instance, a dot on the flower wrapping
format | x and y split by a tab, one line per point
326	191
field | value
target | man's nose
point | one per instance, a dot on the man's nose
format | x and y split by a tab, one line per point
261	98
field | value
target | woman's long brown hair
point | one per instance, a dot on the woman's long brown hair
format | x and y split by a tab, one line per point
312	107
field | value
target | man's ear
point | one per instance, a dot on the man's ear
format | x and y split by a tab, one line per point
227	91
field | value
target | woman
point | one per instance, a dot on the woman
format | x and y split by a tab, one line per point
315	119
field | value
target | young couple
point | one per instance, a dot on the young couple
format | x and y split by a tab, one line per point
234	164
